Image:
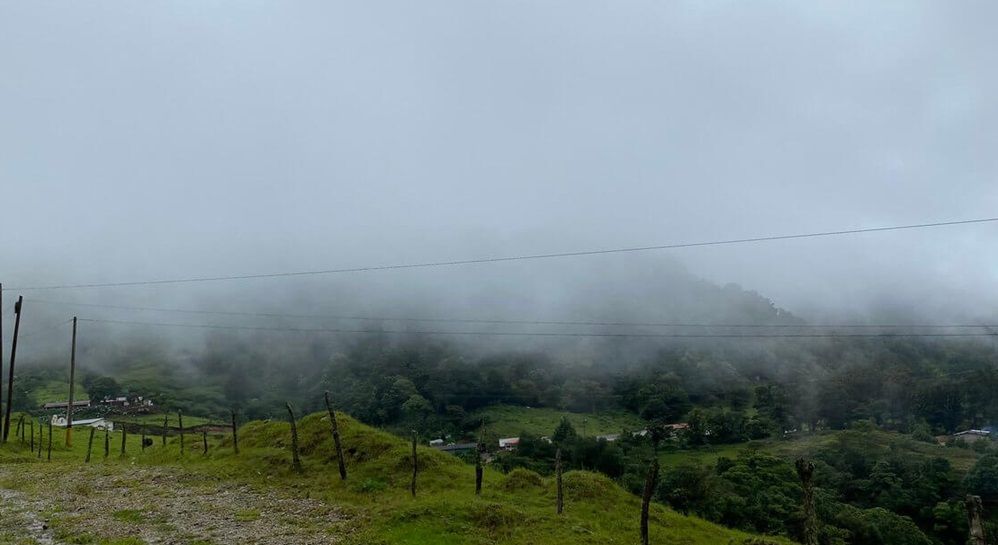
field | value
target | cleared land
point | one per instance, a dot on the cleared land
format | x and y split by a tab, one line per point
509	421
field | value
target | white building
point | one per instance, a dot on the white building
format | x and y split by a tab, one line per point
99	423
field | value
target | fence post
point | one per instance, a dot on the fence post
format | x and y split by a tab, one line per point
107	443
646	499
560	502
974	508
204	441
336	437
415	464
478	469
805	471
180	422
124	436
50	442
90	443
296	460
235	435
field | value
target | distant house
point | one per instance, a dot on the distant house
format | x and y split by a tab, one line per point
971	436
99	423
610	437
509	443
65	404
122	401
437	443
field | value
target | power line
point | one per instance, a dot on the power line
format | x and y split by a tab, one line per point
515	322
542	334
501	259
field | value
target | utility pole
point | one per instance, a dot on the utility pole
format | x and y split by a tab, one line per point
13	357
1	353
72	378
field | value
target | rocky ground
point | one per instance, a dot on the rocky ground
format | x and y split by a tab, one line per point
130	505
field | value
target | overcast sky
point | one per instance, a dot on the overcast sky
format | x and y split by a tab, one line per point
147	140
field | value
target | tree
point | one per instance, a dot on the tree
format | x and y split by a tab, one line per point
563	431
103	387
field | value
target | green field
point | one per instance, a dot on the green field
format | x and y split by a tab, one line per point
509	421
157	419
256	496
54	391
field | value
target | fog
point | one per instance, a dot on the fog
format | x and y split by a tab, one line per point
148	141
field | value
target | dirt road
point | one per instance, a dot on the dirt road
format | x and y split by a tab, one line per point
131	505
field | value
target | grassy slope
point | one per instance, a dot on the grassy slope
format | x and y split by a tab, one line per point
961	459
509	421
55	391
512	509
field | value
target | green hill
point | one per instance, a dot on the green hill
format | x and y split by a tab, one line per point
373	505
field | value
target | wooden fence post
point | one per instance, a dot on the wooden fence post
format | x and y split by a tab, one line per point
478	468
180	422
124	436
90	443
166	426
143	439
50	442
560	502
204	441
235	434
805	471
974	508
646	499
107	443
336	437
296	460
415	464
32	422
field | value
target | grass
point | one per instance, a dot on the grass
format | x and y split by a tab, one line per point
509	421
55	390
375	501
157	419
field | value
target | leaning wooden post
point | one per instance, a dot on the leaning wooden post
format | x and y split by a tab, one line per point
180	422
90	443
41	434
32	422
143	438
415	465
107	443
336	437
646	499
20	426
235	434
805	471
166	426
204	441
13	358
296	460
50	442
124	436
2	426
560	502
478	469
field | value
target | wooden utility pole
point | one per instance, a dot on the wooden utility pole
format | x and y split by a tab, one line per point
72	384
13	357
336	437
646	499
2	427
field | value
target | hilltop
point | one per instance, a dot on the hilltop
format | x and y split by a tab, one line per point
156	495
